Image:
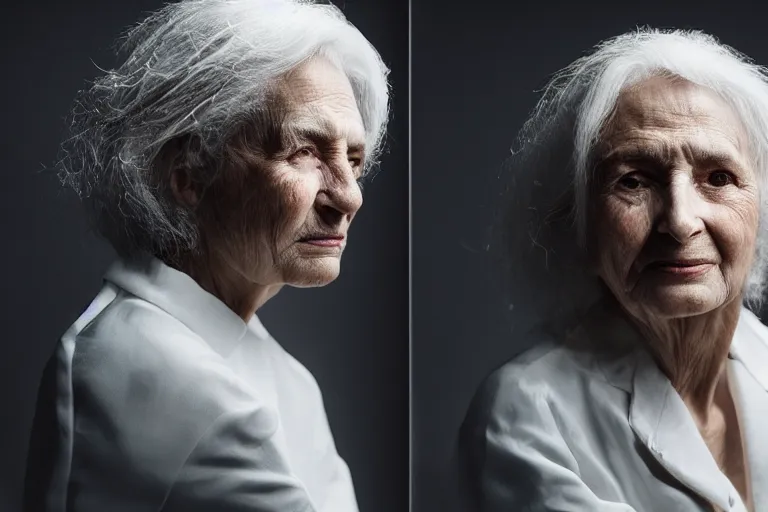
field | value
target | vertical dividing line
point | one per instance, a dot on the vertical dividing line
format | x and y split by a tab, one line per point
410	264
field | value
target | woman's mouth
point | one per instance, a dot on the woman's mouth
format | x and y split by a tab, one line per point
324	240
682	268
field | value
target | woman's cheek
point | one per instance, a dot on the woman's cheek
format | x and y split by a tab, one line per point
624	231
625	225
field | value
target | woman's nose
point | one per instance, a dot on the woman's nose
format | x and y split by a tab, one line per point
342	196
680	215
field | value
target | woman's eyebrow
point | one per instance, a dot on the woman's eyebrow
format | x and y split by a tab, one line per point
654	154
659	155
716	157
322	132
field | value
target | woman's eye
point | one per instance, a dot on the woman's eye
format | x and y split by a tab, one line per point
630	182
304	152
720	179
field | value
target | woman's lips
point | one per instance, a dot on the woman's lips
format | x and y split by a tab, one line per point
324	241
682	268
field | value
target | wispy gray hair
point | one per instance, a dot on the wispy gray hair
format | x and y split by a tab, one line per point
549	172
195	73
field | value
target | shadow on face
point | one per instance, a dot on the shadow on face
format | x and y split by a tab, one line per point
674	201
280	211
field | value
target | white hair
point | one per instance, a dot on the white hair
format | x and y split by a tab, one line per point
197	71
551	170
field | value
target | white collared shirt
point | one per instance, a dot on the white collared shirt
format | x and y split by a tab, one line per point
168	401
565	428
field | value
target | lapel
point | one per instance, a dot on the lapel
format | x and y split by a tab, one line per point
748	372
661	421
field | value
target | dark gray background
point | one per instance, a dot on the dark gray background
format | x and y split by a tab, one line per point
475	68
352	335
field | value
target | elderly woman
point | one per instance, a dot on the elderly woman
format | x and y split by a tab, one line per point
648	390
222	161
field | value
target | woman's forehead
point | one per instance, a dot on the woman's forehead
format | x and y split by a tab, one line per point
317	96
664	112
315	82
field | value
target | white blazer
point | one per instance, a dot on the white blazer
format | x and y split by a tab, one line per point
569	428
167	401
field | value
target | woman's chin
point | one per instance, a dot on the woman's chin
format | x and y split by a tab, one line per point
313	273
680	301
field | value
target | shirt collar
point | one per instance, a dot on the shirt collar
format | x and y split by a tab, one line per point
749	364
181	297
662	422
750	346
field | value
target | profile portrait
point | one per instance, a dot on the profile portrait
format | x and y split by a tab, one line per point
637	207
224	159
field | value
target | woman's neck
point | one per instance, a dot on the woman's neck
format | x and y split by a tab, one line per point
220	279
692	352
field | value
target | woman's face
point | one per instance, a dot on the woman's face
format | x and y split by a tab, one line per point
281	215
674	206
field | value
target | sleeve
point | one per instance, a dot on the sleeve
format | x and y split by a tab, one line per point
514	458
237	466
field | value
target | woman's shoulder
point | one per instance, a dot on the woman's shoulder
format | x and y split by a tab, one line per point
521	394
294	375
133	359
750	323
156	387
557	371
534	364
546	363
132	333
750	345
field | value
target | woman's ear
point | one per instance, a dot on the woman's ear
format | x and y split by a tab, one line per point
177	163
183	187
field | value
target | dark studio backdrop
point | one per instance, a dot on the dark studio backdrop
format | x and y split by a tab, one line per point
474	72
352	334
